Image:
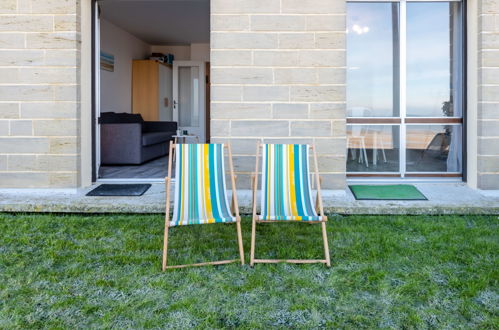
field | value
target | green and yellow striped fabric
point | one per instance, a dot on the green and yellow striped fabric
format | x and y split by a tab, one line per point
286	192
200	190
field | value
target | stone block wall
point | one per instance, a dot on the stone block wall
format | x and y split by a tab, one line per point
39	93
278	74
488	95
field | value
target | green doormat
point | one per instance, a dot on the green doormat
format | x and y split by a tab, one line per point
402	192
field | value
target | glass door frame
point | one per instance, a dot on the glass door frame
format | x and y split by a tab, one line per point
403	121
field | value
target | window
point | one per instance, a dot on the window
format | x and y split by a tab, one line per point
404	88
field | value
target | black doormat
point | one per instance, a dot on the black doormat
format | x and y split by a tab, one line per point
119	190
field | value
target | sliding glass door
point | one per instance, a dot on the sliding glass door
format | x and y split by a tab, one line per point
404	88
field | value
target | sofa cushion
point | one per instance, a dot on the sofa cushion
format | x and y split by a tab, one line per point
120	118
155	137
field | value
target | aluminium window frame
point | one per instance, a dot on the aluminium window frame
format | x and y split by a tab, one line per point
402	117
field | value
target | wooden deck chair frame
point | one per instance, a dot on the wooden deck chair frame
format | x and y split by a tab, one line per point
319	208
234	209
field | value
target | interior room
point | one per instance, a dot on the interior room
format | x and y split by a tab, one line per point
152	83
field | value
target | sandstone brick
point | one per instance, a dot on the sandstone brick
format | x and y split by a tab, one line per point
230	22
490	40
275	58
65	23
22	163
9	75
242	146
231	57
55	6
331	75
331	163
313	6
295	76
277	23
490	58
334	181
61	57
21	127
12	40
296	40
3	162
326	23
339	128
290	111
18	58
327	111
26	23
24	180
9	110
330	40
488	111
49	110
488	164
68	40
488	128
245	6
63	180
226	93
57	163
310	128
66	92
244	164
241	110
317	93
63	145
489	7
488	146
488	181
328	146
8	6
319	58
242	76
26	93
259	128
56	127
489	93
490	75
23	145
220	128
4	127
47	75
265	93
243	40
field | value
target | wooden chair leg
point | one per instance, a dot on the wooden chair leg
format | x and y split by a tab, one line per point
165	247
253	234
240	241
326	245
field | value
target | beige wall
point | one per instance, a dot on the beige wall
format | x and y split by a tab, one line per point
278	73
488	94
39	93
116	87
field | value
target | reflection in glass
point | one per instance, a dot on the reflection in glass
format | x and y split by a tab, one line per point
373	59
188	91
433	59
373	148
434	148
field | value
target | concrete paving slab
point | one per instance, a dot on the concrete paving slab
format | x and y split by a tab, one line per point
446	198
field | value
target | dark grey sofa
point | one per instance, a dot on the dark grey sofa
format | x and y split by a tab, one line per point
128	139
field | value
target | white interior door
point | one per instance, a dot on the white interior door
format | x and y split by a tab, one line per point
189	97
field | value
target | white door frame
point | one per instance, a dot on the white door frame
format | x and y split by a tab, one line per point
202	96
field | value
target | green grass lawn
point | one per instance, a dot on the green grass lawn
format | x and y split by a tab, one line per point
387	271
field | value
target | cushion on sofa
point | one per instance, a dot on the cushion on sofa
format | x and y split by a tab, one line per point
155	137
120	118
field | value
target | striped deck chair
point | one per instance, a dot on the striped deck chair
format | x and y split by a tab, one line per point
200	192
286	194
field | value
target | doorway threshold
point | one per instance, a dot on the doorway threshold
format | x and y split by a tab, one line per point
132	180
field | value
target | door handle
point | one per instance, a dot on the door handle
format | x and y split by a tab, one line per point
174	104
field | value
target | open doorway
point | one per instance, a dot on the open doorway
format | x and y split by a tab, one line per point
151	84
